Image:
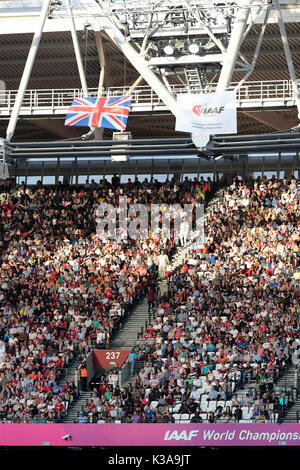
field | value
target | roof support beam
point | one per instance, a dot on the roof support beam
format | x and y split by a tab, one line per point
27	70
139	63
272	119
288	54
102	61
233	47
77	49
95	76
257	49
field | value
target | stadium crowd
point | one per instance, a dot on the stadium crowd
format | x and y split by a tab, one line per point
231	316
63	289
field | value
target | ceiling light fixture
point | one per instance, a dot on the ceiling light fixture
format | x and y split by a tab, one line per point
169	49
193	48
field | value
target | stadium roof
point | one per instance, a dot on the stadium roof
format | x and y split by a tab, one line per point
56	68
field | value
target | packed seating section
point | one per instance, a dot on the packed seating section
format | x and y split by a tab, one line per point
230	320
62	290
230	316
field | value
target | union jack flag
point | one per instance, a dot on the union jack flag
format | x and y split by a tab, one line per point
111	112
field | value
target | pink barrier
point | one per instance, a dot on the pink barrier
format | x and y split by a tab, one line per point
149	434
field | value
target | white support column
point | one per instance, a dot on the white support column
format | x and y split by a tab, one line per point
27	70
99	132
288	54
138	62
77	49
233	47
165	80
257	49
101	61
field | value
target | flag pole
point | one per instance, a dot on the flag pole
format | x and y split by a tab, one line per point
100	132
102	62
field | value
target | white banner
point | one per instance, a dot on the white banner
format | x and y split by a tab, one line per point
207	113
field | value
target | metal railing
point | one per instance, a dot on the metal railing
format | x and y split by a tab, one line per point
56	101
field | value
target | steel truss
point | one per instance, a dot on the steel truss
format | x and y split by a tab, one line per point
154	148
137	27
72	167
148	26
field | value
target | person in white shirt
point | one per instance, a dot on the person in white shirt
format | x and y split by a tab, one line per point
162	263
195	394
183	232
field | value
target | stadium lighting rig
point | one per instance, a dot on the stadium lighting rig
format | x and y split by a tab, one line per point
172	33
179	12
194	47
198	34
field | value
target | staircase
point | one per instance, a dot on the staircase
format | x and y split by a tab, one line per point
70	374
124	339
193	78
183	252
127	335
79	404
293	415
126	377
288	384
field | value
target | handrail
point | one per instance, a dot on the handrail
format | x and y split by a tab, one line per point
256	91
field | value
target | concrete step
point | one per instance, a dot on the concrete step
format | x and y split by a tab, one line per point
137	318
139	314
133	326
134	321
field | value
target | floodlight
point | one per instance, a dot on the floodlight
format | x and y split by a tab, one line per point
169	49
193	48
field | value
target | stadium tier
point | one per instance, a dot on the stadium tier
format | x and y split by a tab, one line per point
149	224
221	335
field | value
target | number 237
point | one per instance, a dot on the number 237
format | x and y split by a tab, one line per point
112	355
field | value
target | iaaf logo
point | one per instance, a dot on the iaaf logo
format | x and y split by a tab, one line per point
184	436
199	109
